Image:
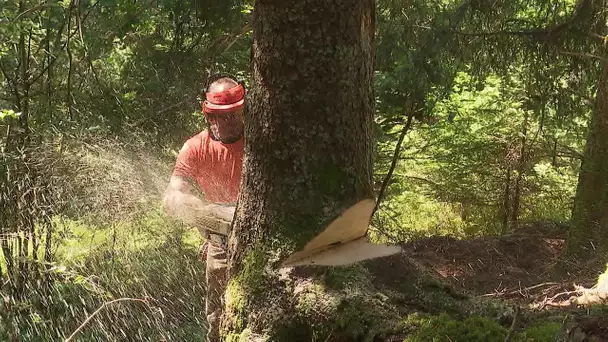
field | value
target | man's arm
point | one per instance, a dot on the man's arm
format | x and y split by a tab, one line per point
181	203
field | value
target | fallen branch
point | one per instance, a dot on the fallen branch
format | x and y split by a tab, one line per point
86	321
565	293
585	297
582	55
498	294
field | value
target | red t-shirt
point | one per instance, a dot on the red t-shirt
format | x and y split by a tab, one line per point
215	166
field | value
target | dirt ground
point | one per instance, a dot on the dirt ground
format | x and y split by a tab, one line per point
524	264
525	268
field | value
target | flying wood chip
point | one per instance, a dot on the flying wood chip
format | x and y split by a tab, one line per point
343	242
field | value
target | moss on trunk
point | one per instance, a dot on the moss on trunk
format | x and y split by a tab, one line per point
364	302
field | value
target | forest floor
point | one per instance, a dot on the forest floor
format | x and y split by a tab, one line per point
525	266
524	269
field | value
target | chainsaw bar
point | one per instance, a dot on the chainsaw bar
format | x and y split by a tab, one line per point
213	224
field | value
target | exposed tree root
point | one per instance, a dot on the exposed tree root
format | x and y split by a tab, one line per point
580	296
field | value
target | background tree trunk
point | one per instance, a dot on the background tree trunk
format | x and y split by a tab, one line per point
589	231
521	169
506	206
309	141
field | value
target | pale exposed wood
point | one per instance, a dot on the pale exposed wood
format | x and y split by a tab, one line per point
344	241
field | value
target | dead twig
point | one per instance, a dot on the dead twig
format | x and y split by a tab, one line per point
519	291
513	324
565	293
563	304
553	302
396	154
86	321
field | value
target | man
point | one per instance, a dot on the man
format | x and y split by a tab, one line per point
205	183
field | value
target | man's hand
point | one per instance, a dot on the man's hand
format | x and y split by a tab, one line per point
204	250
224	211
181	203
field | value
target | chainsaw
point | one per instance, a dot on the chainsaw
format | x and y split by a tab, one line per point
212	224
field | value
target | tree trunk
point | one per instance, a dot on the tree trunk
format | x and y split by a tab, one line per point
70	68
48	241
589	231
49	62
506	205
309	143
22	142
554	157
24	70
521	169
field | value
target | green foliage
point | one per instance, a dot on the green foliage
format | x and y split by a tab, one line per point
8	114
540	332
117	65
411	214
473	328
109	241
444	328
348	313
242	337
490	155
340	277
414	61
252	277
495	103
501	111
361	323
31	187
167	272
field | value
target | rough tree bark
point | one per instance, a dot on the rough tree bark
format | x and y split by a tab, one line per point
589	232
309	145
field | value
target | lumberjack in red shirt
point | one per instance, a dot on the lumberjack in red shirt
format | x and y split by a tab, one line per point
205	183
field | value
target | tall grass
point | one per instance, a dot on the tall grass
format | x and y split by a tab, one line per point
111	241
151	258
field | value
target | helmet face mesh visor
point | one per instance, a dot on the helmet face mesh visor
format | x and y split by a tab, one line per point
226	126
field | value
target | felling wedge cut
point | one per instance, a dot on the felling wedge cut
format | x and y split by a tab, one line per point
343	242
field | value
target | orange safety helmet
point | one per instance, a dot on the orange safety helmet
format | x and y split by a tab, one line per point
227	101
